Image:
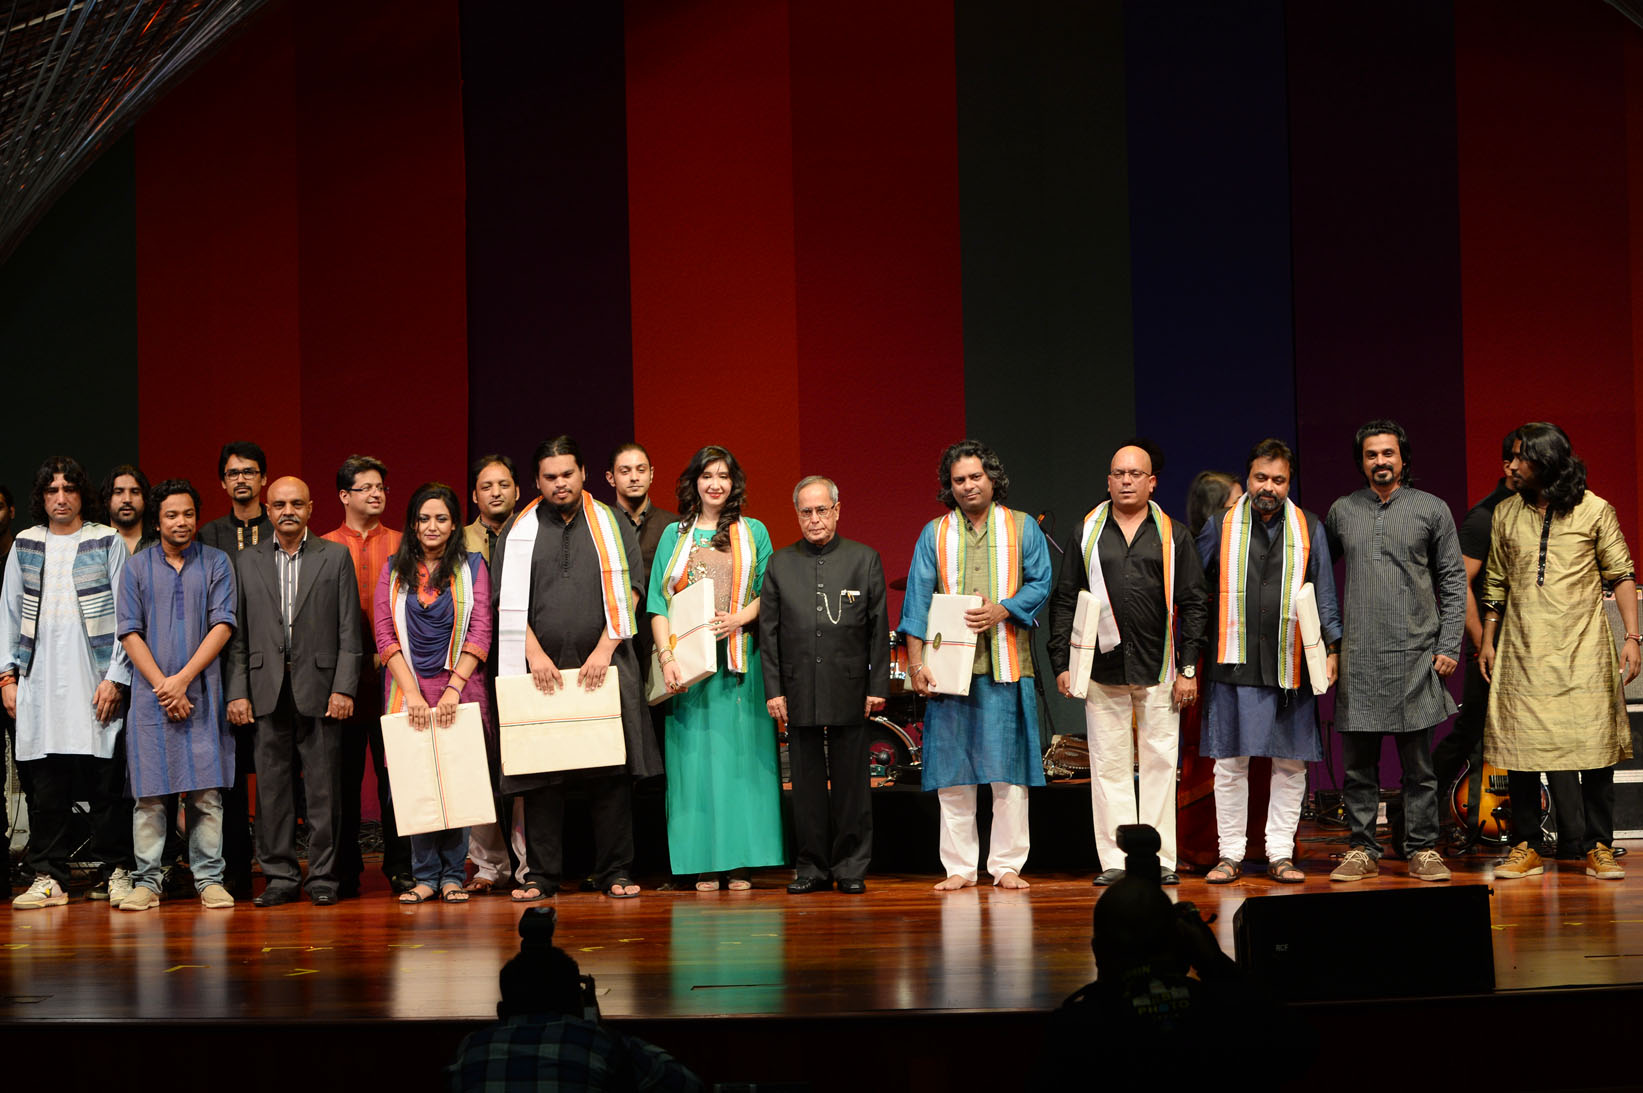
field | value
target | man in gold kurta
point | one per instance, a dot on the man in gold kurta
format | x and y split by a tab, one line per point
1555	701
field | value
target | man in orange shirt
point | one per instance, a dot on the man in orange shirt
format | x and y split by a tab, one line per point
362	487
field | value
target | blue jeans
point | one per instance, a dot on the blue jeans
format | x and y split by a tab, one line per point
203	811
439	858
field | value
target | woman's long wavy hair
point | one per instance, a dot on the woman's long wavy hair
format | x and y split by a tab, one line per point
410	544
1562	475
690	501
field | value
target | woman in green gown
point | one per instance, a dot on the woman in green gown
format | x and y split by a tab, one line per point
723	789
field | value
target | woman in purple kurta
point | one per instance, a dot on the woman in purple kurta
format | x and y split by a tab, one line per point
432	643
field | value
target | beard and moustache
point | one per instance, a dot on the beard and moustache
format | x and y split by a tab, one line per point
1266	503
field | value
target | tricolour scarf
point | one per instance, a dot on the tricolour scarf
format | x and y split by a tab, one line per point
92	588
743	558
1232	644
514	600
1006	529
1106	630
462	599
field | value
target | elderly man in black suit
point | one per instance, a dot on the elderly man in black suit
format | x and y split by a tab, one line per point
825	634
293	668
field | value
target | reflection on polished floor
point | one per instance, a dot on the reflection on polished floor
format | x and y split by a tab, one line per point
899	948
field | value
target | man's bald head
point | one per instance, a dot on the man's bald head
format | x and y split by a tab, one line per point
289	507
1133	457
1130	482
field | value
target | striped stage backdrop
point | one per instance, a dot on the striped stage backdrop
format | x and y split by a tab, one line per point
836	237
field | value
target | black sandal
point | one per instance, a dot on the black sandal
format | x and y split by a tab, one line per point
1285	865
1224	871
613	890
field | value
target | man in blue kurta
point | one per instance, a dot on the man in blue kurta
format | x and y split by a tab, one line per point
176	612
990	735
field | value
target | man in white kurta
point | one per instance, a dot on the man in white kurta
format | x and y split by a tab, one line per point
64	677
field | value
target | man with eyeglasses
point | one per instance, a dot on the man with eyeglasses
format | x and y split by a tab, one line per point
362	487
243	469
1143	570
825	634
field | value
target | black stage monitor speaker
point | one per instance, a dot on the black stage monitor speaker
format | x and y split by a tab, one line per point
1399	942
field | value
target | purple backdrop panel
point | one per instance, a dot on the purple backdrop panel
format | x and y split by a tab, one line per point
549	344
1209	233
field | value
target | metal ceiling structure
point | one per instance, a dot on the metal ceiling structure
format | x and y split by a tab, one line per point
76	74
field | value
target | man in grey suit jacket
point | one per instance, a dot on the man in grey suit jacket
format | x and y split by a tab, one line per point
825	635
293	668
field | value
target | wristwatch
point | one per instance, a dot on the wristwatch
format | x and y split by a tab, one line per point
1190	671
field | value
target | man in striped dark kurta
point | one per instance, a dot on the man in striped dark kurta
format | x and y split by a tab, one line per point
176	612
1405	611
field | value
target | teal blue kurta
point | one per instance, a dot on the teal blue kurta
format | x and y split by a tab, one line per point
723	786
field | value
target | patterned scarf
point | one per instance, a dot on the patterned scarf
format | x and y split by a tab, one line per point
462	599
91	586
514	599
1106	630
1232	645
743	558
1005	530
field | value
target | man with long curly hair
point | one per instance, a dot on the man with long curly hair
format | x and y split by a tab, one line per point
1556	699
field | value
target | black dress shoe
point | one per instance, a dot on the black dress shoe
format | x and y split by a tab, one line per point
401	882
1169	876
852	886
273	897
1108	876
323	899
805	885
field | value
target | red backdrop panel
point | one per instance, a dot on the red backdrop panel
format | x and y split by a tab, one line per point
217	264
382	282
1634	183
710	196
880	308
1545	285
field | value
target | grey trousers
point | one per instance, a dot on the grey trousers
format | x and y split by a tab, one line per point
317	744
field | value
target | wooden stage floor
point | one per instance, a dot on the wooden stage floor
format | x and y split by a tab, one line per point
899	950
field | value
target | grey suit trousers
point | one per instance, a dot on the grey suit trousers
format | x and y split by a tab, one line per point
317	743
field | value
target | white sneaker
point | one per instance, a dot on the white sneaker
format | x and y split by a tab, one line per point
44	892
119	886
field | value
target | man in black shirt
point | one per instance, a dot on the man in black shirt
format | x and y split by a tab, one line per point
1465	739
1142	669
243	470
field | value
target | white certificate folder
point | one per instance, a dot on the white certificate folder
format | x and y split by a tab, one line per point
689	619
571	729
1312	639
949	646
439	778
1086	617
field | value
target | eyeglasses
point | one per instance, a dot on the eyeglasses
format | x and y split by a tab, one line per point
805	514
1124	476
241	472
380	487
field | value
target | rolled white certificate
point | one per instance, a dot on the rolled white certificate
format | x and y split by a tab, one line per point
1086	618
1312	642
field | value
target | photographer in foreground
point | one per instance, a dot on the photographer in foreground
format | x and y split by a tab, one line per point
548	1033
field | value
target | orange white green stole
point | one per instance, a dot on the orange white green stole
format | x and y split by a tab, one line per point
743	558
1005	530
1232	643
514	596
462	598
1107	629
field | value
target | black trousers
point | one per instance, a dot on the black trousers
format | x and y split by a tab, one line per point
362	731
54	783
1582	803
236	814
832	829
317	743
1361	754
610	799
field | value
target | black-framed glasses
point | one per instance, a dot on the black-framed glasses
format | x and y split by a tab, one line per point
241	472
